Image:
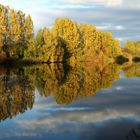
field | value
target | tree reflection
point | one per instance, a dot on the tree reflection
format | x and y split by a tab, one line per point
132	70
48	78
79	82
134	134
16	93
65	83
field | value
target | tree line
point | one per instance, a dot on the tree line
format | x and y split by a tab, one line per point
72	42
65	41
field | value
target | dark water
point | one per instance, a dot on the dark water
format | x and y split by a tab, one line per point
88	102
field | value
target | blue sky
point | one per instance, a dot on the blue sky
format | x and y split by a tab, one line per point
121	17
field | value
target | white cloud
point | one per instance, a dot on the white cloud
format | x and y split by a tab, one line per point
77	117
102	2
111	27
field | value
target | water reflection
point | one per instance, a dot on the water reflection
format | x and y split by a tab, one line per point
16	93
66	86
64	83
79	82
132	70
76	112
134	133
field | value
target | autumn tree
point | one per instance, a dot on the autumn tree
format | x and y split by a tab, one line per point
89	38
3	27
69	32
29	48
39	38
52	48
16	34
129	46
108	45
13	33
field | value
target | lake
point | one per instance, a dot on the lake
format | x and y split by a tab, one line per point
56	101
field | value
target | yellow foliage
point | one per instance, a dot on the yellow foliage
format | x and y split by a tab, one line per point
69	32
132	48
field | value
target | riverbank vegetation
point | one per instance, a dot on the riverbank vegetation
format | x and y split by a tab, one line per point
132	50
66	41
73	42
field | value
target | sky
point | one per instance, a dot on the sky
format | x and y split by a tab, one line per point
121	17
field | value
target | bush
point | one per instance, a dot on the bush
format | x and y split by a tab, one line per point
121	59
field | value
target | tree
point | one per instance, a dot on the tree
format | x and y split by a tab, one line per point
53	48
3	27
29	48
69	32
16	32
130	46
14	28
21	21
89	38
108	45
39	38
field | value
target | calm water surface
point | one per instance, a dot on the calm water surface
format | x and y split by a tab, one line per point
88	102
